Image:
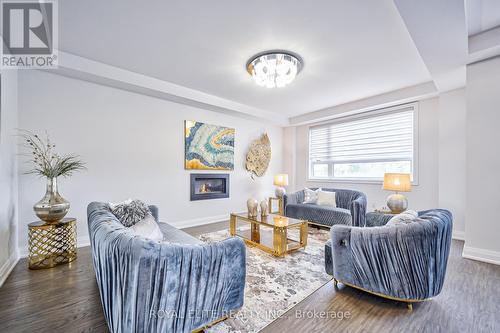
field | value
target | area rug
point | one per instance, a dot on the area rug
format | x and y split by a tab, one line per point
274	285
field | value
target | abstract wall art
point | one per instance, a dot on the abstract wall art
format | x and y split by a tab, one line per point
208	147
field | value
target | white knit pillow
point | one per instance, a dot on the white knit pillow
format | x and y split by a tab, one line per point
326	199
148	228
311	196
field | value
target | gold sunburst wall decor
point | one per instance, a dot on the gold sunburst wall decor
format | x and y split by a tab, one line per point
259	156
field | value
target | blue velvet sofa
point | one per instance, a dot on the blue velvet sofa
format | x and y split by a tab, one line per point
177	285
406	262
350	210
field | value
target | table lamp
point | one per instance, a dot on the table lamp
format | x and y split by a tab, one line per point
280	180
398	182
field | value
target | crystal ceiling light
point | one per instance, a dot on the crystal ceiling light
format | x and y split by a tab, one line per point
274	69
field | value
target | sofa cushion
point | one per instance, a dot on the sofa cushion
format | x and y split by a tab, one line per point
311	196
130	212
148	228
326	198
325	215
173	235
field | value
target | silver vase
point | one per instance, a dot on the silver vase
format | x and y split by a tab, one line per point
52	207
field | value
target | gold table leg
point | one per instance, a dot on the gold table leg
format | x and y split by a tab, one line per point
232	225
303	234
280	241
255	232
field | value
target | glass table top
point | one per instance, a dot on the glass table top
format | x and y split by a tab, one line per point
274	220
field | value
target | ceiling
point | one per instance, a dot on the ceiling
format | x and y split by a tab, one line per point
351	49
482	15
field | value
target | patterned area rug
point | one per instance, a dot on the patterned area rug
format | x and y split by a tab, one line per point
274	285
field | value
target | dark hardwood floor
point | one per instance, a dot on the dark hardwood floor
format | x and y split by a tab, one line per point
66	299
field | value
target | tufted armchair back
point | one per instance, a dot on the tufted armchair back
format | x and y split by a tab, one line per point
402	261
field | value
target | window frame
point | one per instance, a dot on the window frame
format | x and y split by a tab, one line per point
360	115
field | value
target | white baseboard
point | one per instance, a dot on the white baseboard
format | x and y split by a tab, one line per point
80	242
200	221
458	235
8	266
474	253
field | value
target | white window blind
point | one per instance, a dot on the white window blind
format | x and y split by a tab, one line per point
350	146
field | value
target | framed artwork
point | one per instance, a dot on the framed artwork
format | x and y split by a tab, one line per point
208	147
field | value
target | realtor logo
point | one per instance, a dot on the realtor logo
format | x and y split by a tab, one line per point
29	33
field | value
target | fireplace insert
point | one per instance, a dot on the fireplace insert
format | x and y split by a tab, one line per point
209	186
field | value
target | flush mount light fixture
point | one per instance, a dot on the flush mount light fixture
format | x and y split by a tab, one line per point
274	69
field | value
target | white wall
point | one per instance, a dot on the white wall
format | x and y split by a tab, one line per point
482	221
134	148
452	129
289	155
423	196
8	173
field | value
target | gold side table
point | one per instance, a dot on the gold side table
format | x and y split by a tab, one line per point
51	244
281	209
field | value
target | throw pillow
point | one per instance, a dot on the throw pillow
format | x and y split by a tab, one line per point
112	205
148	228
130	212
407	216
326	199
311	196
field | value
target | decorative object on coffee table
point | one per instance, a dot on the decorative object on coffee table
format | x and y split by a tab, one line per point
51	244
253	207
280	180
264	210
398	182
277	243
45	162
280	210
259	156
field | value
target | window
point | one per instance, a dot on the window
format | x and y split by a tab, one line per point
366	146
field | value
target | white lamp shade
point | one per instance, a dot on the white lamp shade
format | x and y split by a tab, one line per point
281	179
399	182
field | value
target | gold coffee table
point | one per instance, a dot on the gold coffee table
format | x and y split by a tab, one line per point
277	243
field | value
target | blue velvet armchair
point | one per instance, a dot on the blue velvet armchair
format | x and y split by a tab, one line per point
177	285
350	210
405	261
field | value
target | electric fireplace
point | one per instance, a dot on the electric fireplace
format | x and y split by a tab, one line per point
206	186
